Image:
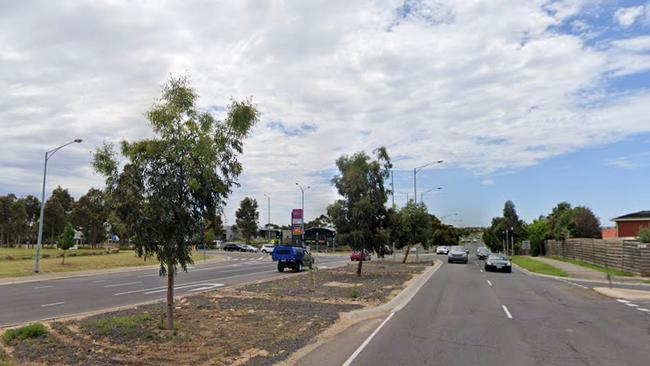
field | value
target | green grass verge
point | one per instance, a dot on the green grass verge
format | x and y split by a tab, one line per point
595	267
536	266
29	331
128	258
29	253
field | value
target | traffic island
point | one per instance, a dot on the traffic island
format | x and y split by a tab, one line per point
254	324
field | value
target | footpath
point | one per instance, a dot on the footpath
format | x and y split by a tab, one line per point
573	270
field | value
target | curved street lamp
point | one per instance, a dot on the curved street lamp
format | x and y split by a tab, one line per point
39	244
427	191
415	172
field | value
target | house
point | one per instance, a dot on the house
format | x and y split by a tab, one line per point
628	226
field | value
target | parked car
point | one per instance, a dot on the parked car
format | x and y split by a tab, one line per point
290	257
385	250
482	253
498	262
232	247
442	249
457	254
267	248
360	256
218	244
250	248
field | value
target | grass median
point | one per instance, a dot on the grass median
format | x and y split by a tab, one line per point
577	262
25	267
7	254
536	266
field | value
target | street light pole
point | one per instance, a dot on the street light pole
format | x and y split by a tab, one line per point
302	222
415	172
268	216
427	191
39	243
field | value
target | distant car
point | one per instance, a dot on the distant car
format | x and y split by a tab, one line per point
442	250
385	250
249	248
232	247
457	254
498	262
414	250
267	248
360	256
218	244
482	253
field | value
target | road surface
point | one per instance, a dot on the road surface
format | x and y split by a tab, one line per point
55	298
465	316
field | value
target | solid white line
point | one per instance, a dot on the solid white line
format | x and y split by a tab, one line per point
363	345
505	309
643	309
623	301
124	284
40	287
632	305
489	283
53	304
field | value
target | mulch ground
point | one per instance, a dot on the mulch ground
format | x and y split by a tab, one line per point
257	324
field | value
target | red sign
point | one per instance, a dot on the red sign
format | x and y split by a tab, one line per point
296	222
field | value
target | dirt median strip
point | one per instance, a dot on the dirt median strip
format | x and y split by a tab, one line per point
259	323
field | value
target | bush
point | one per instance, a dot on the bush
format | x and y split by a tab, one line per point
644	235
30	331
108	325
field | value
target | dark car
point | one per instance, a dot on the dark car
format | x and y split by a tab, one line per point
482	253
232	247
385	250
498	262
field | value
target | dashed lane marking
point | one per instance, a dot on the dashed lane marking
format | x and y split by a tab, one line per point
52	304
622	301
489	283
505	309
124	284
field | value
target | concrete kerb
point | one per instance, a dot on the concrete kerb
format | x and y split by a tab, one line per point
626	294
63	275
399	301
567	278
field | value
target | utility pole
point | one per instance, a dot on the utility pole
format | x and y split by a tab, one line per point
268	216
39	243
392	187
415	172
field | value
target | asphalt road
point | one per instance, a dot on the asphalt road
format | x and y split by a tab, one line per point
465	316
41	300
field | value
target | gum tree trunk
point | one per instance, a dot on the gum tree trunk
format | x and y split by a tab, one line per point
406	255
170	296
359	268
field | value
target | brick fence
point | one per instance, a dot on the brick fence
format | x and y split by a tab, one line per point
625	255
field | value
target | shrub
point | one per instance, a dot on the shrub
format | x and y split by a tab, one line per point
644	235
354	292
105	326
29	331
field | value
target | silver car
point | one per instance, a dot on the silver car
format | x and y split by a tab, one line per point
457	254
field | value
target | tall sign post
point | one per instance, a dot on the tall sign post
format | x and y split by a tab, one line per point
297	224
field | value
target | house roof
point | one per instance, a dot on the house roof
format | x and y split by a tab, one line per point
636	216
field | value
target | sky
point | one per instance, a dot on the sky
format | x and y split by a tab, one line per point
537	101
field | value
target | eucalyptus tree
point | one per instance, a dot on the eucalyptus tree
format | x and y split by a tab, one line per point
185	171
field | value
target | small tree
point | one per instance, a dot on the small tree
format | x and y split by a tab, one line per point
66	240
415	226
247	218
644	235
181	175
361	217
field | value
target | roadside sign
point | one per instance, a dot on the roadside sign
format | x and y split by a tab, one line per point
525	245
296	222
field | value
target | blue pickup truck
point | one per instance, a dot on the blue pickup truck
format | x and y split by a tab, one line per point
291	257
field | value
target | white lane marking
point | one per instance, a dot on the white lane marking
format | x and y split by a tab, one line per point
643	309
505	309
363	345
489	283
52	304
188	283
623	301
40	287
123	284
149	275
632	305
97	281
209	286
481	270
175	288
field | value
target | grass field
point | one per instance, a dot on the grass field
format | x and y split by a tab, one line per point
25	267
28	253
613	272
537	266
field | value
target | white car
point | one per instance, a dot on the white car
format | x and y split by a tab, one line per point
442	250
250	248
267	248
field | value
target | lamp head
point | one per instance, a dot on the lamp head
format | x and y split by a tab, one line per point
78	140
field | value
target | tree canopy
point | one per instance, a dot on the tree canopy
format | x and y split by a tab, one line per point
183	174
247	217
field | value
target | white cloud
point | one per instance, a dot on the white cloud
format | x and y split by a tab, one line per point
487	182
625	17
491	88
